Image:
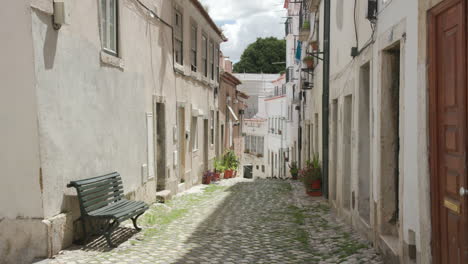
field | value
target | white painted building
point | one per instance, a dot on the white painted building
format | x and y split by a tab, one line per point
378	132
254	160
107	90
255	85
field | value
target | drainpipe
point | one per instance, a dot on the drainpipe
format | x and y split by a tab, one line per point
325	97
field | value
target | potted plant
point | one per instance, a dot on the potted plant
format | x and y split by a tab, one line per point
294	170
311	175
231	163
309	61
306	25
314	45
218	169
207	176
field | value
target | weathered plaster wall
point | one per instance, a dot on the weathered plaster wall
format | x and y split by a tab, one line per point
424	194
397	21
19	159
21	188
92	115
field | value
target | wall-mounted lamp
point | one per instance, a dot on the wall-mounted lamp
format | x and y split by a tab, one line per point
61	14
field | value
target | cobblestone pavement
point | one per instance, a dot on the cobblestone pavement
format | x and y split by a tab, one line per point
236	221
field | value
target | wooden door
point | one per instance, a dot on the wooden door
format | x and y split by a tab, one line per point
448	128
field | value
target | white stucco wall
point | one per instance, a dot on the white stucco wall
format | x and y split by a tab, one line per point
397	21
20	190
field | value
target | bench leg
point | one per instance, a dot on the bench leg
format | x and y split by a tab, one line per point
108	233
134	220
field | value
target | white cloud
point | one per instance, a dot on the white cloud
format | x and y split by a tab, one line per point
243	21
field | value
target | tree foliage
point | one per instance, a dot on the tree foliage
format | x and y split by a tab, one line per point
259	56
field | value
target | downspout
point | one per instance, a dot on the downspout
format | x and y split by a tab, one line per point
325	97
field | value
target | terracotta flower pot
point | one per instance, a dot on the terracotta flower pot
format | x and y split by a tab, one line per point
316	185
228	174
216	176
314	193
314	45
309	63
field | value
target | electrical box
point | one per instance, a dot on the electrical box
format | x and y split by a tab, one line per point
372	10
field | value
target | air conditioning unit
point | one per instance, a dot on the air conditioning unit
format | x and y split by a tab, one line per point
372	10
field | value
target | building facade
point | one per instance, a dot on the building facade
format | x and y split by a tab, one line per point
231	112
128	88
379	171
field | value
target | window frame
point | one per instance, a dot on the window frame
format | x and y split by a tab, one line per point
194	47
204	55
105	25
217	51
178	35
212	128
211	50
194	141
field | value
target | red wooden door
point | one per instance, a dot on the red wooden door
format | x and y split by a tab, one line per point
448	125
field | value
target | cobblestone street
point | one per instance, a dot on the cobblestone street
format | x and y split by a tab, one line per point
236	221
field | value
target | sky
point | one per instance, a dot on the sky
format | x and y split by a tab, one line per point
243	21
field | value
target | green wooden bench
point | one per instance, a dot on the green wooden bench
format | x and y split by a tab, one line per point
101	201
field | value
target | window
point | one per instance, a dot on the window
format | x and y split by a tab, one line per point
109	26
216	59
212	75
212	127
194	133
193	47
204	56
178	37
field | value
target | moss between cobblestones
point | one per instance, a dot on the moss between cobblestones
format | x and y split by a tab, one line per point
161	215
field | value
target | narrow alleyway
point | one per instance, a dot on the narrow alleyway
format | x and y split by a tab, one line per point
237	221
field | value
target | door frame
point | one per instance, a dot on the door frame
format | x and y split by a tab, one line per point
432	15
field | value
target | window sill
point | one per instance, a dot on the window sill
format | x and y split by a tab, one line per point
179	68
111	60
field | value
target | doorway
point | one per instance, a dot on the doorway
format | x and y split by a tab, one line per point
448	128
364	144
347	130
205	144
160	146
390	142
248	171
182	142
333	182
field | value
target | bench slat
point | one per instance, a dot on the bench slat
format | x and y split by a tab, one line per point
114	209
137	212
109	182
100	192
95	206
104	210
130	210
95	179
97	189
103	197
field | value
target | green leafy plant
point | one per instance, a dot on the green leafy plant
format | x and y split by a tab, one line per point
219	165
312	172
308	59
230	160
294	169
306	25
